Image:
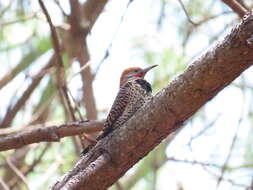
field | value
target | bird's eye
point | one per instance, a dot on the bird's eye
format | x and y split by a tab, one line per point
136	71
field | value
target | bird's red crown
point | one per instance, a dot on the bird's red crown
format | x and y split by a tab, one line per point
128	71
134	73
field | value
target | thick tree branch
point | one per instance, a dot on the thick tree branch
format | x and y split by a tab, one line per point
49	134
112	156
236	7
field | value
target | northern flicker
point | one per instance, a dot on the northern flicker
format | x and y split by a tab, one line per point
133	93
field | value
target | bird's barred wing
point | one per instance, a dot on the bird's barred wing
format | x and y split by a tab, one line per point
122	99
118	107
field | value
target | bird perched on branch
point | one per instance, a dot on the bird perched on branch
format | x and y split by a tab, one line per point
133	93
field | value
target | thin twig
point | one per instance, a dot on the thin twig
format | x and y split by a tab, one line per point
64	91
55	40
204	165
26	170
37	160
17	172
4	185
12	112
6	23
223	169
57	48
211	17
60	7
206	128
77	107
6	8
44	108
107	51
220	33
194	162
85	66
161	14
186	13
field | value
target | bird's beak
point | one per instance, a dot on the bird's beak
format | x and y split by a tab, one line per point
148	69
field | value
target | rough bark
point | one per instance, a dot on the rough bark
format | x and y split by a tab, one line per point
202	80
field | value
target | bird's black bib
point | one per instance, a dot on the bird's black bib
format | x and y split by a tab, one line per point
145	85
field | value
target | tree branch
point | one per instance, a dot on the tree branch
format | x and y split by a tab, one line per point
92	9
3	184
112	156
186	13
60	74
12	112
236	7
17	172
49	134
82	19
27	169
55	40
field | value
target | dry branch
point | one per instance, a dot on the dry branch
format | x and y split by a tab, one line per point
236	7
49	134
12	112
3	184
61	80
17	171
186	13
112	156
54	37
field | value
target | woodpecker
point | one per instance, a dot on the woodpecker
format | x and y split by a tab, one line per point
134	91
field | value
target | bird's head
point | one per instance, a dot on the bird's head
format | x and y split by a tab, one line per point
134	73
